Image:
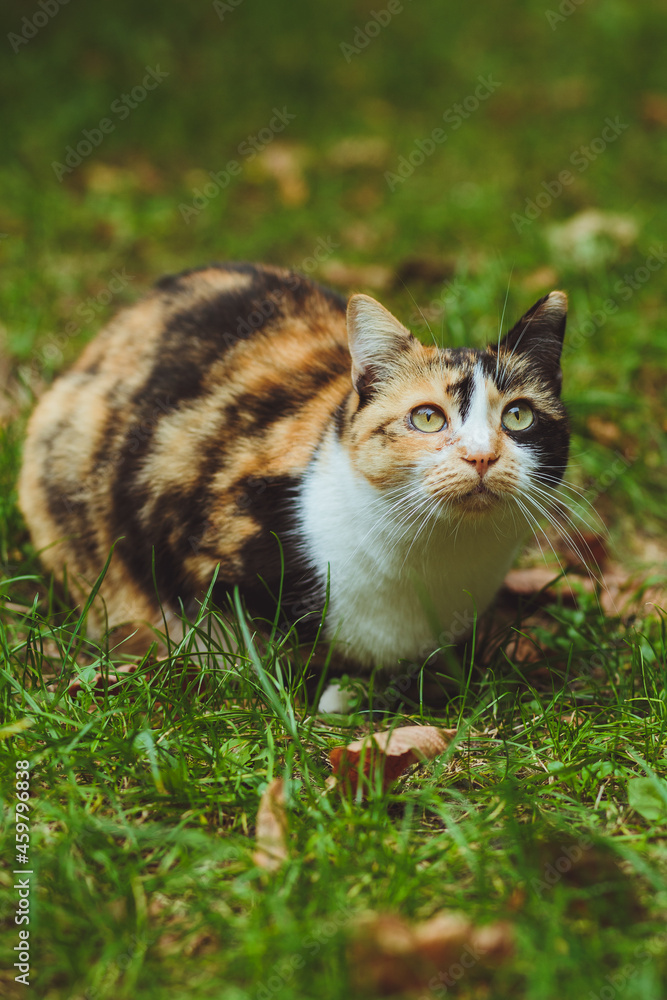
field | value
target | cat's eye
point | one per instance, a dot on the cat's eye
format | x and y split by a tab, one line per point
517	417
427	418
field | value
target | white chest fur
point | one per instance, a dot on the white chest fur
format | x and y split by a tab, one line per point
395	596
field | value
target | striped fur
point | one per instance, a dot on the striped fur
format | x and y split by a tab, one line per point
237	403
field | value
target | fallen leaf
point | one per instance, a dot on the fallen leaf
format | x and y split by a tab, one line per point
541	280
284	163
529	581
592	237
360	235
387	955
356	275
654	109
392	752
604	431
524	649
605	891
271	827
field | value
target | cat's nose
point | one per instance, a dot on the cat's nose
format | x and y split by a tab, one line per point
482	462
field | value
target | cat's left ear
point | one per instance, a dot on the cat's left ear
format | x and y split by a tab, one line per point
376	340
539	334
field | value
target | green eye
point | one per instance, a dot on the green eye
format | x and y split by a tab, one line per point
518	417
427	419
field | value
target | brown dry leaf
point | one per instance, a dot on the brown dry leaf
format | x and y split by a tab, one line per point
388	956
360	236
604	431
529	581
392	752
592	237
654	109
271	827
284	163
585	552
357	275
540	280
523	649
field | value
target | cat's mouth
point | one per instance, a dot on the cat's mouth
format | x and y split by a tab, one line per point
478	497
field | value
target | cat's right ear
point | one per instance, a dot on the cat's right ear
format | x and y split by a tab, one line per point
376	340
540	331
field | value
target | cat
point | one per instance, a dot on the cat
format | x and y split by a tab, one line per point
244	420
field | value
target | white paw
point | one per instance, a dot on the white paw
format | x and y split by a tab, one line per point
338	699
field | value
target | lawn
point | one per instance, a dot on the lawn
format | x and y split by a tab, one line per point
452	163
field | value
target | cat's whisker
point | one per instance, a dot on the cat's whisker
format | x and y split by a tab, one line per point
559	479
502	320
520	338
557	484
552	517
597	581
570	514
430	512
533	525
570	508
534	520
570	541
387	520
406	522
419	309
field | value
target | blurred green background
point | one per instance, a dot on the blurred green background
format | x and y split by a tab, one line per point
366	84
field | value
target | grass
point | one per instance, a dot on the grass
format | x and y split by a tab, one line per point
145	794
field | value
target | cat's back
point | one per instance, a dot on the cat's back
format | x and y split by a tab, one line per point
206	325
221	378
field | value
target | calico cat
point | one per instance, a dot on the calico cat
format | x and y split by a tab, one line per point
241	419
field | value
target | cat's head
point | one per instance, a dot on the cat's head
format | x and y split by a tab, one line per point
470	428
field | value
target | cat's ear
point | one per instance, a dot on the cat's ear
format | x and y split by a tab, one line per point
376	340
539	334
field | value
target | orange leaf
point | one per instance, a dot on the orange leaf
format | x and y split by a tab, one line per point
388	955
392	752
271	827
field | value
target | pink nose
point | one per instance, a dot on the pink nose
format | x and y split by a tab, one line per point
482	462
